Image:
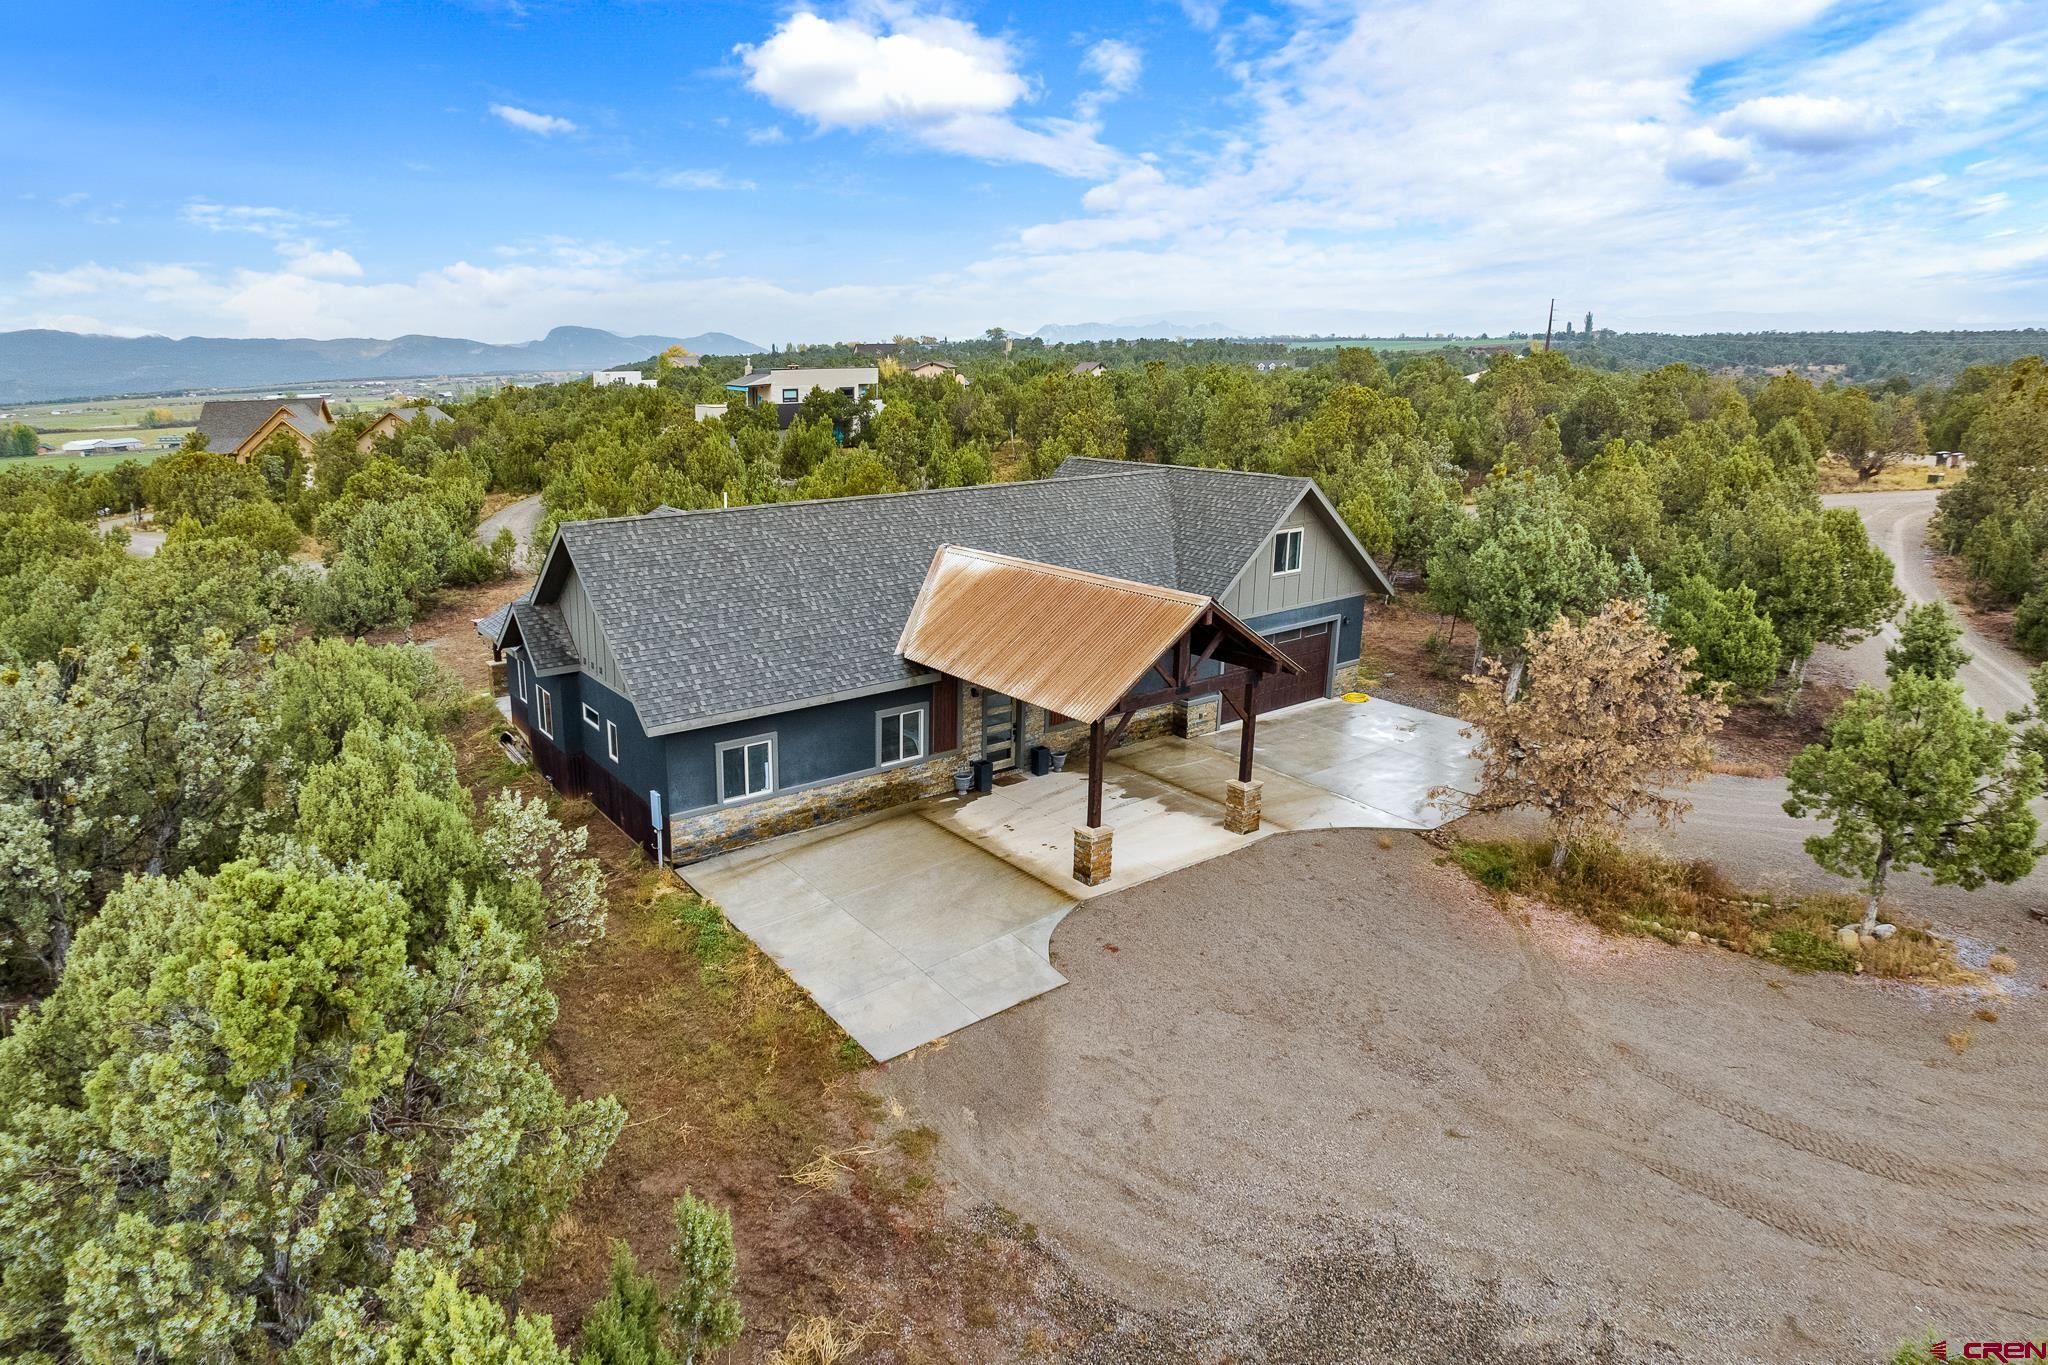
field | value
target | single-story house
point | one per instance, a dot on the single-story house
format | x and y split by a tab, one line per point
936	369
604	379
1092	369
391	420
786	389
713	678
240	426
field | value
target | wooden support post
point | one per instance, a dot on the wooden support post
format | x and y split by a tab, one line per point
1251	719
1095	748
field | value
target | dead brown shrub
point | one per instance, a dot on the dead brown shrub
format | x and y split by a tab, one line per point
820	1340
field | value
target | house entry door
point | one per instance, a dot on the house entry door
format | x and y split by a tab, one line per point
1000	728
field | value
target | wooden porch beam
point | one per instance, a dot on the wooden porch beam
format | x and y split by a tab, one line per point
1095	748
1251	720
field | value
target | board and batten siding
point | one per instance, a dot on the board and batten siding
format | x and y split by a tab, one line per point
1328	572
592	649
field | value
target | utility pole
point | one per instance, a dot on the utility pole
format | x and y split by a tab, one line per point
1549	323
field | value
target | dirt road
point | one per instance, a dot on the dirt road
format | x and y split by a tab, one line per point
1996	678
1322	1101
519	518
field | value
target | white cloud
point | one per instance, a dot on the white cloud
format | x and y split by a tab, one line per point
315	263
261	220
1702	156
1808	123
527	121
1115	63
768	136
932	76
690	178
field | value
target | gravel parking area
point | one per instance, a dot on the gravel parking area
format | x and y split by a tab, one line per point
1323	1101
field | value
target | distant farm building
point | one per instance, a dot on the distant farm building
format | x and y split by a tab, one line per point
105	445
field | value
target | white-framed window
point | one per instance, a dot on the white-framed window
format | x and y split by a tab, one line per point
789	395
546	718
746	767
611	740
1287	551
518	676
591	718
899	735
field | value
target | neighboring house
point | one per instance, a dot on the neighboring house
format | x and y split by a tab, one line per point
1090	368
874	350
240	426
392	420
169	442
787	389
105	445
706	410
604	379
732	674
936	369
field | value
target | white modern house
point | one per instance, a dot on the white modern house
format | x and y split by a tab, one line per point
601	379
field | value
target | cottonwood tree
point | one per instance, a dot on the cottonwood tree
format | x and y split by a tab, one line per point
1608	723
1914	776
251	1093
1929	643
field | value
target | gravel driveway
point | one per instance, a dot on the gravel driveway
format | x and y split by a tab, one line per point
1322	1101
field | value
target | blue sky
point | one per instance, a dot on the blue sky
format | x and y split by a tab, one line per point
859	169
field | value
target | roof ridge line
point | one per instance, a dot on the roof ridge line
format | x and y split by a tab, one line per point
854	497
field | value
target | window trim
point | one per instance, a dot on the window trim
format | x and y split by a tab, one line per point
718	766
1282	537
591	718
611	740
544	711
789	396
518	676
924	734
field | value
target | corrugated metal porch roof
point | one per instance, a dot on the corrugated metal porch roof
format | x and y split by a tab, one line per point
1070	641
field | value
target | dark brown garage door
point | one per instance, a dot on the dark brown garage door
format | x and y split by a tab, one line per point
1308	646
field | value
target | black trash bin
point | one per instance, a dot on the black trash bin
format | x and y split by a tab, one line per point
984	775
1041	760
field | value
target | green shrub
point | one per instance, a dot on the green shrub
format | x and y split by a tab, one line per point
713	942
1493	866
1805	951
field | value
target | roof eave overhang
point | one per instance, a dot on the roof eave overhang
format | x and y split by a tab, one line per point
796	704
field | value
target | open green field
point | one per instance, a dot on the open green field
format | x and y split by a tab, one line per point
89	463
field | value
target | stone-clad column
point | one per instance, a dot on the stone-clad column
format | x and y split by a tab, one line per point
1091	854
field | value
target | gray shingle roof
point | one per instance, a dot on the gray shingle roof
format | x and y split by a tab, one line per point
715	615
545	636
227	422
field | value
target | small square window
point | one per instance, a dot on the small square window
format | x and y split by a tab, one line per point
590	716
746	767
1287	551
899	736
611	741
789	395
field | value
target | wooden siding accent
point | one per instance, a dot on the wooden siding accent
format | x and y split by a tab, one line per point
1327	571
592	649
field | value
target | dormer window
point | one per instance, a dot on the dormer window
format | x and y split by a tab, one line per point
1287	551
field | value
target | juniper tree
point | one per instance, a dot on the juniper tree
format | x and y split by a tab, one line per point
1914	776
1929	643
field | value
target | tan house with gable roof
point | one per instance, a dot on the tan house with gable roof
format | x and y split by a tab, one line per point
240	426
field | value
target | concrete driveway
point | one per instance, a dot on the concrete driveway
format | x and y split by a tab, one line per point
909	924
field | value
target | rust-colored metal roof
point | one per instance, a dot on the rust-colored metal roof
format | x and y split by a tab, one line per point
1071	642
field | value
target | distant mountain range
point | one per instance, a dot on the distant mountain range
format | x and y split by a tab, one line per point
53	365
1129	329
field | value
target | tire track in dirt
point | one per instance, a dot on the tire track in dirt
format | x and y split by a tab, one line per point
1956	1183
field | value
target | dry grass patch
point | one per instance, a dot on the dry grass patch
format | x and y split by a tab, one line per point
2001	963
819	1340
1959	1042
1905	477
1635	891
